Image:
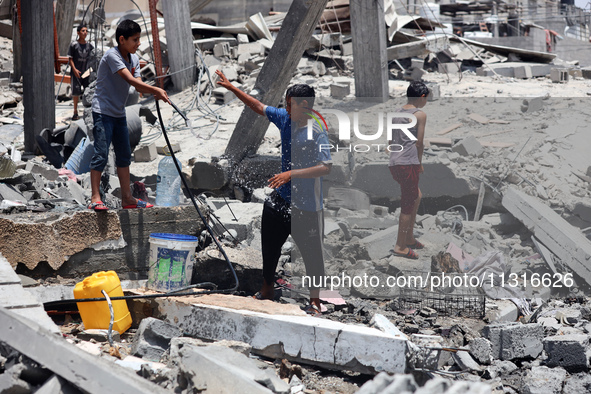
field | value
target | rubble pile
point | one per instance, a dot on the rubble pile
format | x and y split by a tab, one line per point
505	190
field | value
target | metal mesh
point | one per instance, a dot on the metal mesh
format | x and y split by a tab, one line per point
448	301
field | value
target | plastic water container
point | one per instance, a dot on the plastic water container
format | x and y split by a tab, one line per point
172	257
97	314
79	160
168	183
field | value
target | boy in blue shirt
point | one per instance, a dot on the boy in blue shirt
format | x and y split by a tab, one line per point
118	69
295	206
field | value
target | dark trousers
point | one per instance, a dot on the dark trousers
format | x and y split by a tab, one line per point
305	227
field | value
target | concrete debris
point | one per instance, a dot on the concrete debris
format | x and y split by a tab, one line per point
515	150
544	380
570	352
153	338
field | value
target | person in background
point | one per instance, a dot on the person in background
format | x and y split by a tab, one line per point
78	55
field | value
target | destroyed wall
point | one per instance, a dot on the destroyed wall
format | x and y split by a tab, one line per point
535	41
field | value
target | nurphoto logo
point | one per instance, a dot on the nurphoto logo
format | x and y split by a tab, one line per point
389	121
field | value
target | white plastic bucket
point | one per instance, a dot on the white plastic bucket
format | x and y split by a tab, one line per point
172	257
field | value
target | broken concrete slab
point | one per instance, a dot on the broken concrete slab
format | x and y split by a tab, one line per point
564	240
48	172
9	192
90	373
240	217
347	198
152	338
303	339
223	370
570	352
481	350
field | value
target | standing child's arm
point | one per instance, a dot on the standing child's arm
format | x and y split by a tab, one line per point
421	122
142	87
247	99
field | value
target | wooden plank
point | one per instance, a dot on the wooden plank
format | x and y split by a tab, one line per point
368	28
38	84
496	133
448	129
181	51
275	75
479	118
90	373
439	141
62	78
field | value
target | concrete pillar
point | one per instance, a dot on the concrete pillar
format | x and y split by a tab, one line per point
179	40
301	19
65	11
37	55
370	63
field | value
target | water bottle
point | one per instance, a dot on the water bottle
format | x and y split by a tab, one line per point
168	182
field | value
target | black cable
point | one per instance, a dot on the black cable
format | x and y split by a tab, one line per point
174	293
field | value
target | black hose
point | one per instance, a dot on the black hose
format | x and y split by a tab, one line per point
174	293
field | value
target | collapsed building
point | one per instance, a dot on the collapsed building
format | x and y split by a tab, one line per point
505	203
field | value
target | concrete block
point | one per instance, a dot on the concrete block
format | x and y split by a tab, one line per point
221	49
558	75
339	91
162	147
223	95
210	175
253	48
223	370
586	73
148	72
532	104
523	72
570	352
515	341
423	357
469	146
481	349
302	339
543	380
339	197
242	38
449	68
145	153
48	172
153	338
